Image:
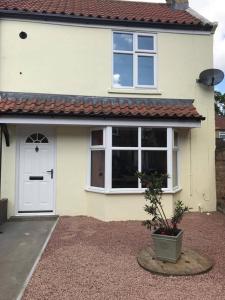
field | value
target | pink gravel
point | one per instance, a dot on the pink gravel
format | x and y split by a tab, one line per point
90	259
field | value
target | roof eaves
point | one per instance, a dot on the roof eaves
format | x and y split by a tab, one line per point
102	116
204	20
72	18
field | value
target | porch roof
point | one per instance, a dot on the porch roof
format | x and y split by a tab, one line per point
12	103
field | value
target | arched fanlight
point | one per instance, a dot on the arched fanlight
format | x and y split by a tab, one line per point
37	138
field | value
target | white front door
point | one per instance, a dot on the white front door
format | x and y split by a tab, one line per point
36	170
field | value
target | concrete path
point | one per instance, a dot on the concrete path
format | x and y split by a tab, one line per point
21	241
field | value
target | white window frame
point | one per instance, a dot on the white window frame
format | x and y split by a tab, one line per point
137	52
98	147
108	148
95	148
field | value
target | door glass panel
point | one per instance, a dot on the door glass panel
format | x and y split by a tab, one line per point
37	138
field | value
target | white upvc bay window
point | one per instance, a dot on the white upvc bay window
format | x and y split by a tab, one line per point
117	153
134	60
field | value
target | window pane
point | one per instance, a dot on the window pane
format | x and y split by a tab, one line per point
145	70
124	167
175	170
124	137
123	70
154	137
123	41
98	168
97	137
154	161
145	42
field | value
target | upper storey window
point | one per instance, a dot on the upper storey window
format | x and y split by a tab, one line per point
134	60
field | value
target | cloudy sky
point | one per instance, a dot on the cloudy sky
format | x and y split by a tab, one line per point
214	10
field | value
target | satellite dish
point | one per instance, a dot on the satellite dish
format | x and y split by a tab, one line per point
211	77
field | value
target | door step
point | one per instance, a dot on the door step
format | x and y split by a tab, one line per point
32	218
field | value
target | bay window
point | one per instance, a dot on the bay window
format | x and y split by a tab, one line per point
117	153
134	60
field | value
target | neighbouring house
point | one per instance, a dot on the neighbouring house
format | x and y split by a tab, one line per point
94	90
220	127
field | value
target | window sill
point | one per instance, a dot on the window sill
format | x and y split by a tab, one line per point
176	190
126	191
134	91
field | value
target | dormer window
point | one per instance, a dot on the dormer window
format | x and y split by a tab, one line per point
134	60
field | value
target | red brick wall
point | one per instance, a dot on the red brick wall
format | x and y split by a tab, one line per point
220	176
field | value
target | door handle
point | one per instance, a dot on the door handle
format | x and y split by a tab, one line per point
51	172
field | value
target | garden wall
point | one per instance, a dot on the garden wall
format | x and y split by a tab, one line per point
220	174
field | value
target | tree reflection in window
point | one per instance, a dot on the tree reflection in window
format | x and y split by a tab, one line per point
37	138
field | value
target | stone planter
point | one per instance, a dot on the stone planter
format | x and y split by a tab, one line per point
167	248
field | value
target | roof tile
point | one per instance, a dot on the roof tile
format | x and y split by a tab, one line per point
43	104
104	9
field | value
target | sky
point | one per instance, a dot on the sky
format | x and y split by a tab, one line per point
214	10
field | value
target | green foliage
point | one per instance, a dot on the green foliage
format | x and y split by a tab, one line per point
179	211
153	194
219	103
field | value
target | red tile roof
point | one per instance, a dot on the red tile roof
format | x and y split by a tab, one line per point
104	9
220	122
82	106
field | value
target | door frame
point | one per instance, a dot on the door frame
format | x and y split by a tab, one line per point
20	130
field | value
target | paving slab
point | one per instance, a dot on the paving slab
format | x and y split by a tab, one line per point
21	241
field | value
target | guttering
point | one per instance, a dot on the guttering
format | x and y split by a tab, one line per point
69	121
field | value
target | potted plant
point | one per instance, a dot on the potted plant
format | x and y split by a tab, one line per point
167	238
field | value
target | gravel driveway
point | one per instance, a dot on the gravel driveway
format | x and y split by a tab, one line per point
90	259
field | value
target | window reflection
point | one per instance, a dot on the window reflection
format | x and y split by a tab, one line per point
123	70
123	41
